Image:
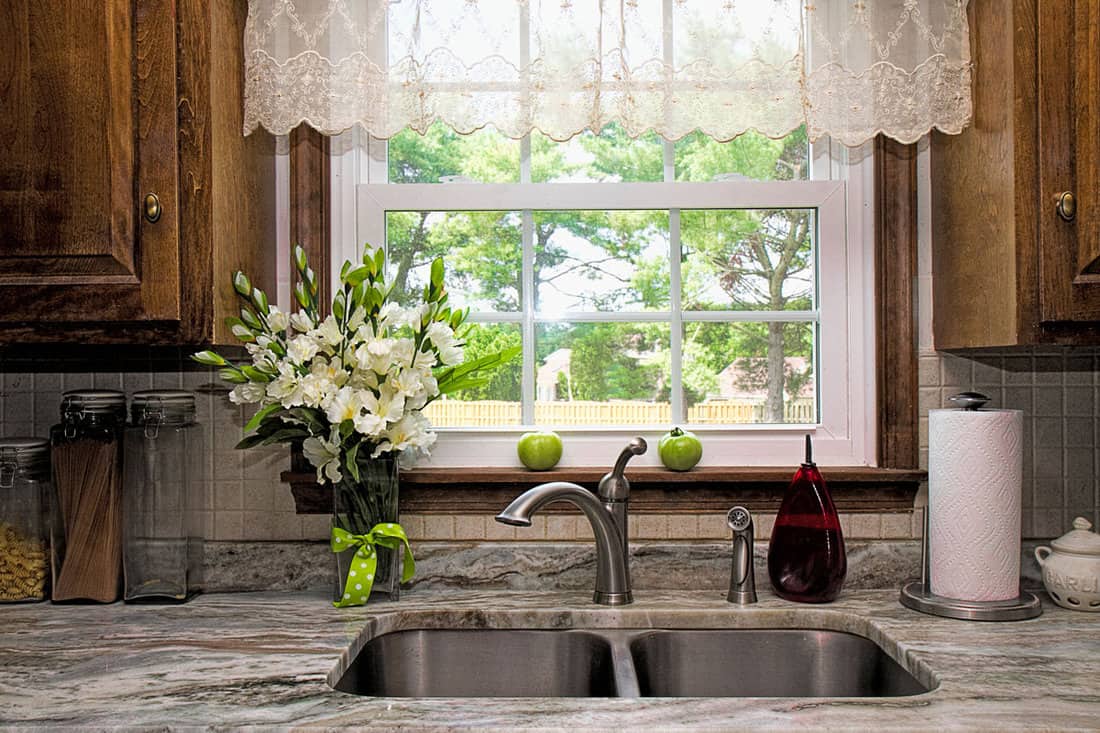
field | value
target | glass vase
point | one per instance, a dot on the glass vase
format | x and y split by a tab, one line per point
359	505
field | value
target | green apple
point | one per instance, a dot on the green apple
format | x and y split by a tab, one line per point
679	450
539	451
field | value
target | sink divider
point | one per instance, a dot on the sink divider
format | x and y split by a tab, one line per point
622	662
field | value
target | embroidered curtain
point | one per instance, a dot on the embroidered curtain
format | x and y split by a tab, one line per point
844	68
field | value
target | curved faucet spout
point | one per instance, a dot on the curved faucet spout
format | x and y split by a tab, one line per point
612	569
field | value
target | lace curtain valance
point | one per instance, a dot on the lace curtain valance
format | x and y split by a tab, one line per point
844	68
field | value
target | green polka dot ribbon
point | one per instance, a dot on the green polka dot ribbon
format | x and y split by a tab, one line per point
365	563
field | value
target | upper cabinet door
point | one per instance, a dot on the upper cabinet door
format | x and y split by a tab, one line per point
87	131
1068	145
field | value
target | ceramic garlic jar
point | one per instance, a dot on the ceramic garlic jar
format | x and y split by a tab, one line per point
1071	571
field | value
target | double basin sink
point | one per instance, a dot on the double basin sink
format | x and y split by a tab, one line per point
460	663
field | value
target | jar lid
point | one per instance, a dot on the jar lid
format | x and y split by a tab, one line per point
93	401
1079	539
162	404
27	452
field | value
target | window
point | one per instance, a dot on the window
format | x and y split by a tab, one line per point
723	286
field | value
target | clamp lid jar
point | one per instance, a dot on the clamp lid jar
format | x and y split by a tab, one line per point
163	498
24	484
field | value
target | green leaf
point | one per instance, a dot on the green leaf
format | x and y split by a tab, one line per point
356	275
209	358
458	318
380	260
284	436
255	374
465	375
260	416
232	376
437	272
339	306
351	461
241	284
250	319
302	295
344	269
311	417
347	427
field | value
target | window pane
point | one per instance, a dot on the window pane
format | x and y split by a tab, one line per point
602	374
751	156
496	403
749	373
443	155
601	261
609	156
748	259
482	251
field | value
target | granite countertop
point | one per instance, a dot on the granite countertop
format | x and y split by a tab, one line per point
264	659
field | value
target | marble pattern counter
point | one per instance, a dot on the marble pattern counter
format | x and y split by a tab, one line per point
264	659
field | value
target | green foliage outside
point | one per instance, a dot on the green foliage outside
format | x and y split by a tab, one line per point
733	260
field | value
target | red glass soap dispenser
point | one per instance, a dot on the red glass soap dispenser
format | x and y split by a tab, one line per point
806	560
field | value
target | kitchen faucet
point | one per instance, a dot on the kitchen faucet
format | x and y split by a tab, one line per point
607	515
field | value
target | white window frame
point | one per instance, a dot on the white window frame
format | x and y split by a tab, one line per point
840	191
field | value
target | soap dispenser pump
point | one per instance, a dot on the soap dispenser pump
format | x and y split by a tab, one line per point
806	559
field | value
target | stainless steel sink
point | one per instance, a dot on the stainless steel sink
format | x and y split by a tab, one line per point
625	663
766	663
483	663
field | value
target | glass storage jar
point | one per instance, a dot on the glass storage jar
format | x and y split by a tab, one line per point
163	498
86	524
24	491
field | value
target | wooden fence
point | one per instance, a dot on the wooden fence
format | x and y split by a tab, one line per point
487	413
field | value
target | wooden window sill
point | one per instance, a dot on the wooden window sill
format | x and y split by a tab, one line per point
653	490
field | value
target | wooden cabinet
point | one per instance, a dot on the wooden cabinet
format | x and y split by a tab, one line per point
104	105
1008	268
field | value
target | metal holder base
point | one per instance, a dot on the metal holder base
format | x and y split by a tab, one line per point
919	598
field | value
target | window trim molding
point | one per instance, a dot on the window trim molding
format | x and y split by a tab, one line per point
895	239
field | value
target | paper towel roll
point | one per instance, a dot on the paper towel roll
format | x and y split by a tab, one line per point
975	472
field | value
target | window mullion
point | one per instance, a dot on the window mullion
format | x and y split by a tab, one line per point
527	286
676	328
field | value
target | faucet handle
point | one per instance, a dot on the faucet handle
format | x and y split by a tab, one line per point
614	486
742	576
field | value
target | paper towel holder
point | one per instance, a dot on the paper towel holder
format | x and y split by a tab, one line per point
918	594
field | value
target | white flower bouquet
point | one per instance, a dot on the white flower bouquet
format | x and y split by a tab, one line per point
350	386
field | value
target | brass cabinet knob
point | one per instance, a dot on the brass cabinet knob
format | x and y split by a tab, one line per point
1066	206
151	208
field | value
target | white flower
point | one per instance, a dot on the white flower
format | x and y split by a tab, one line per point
403	350
287	387
246	394
369	424
412	434
376	355
324	378
329	332
241	331
357	317
443	338
424	362
301	349
276	319
346	404
301	321
388	405
324	455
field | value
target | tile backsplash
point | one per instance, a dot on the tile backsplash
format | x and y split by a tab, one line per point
1059	393
245	500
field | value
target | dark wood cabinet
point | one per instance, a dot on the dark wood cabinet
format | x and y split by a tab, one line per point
104	106
1011	267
